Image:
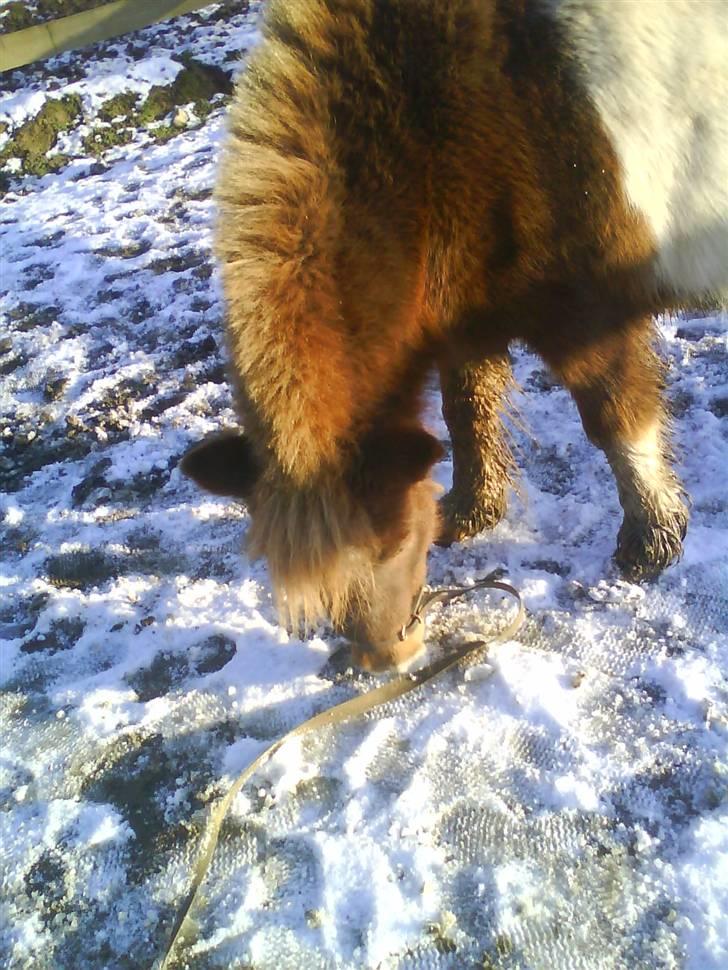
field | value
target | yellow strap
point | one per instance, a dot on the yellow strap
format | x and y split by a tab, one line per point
88	27
355	707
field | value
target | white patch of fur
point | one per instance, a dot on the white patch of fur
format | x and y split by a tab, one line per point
645	457
657	71
644	477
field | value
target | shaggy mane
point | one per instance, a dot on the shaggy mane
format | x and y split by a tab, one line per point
319	544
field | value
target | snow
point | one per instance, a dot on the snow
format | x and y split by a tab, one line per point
706	923
561	804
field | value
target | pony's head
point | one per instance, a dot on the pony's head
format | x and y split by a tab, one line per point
350	546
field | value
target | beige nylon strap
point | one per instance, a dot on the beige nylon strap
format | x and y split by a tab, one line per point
88	27
355	707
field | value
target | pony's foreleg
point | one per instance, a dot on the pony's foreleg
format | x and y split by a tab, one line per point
473	397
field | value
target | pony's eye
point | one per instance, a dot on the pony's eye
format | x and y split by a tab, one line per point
390	550
383	556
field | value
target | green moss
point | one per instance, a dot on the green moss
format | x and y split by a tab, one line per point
158	104
120	106
196	83
101	139
40	134
34	139
203	109
164	133
42	165
199	82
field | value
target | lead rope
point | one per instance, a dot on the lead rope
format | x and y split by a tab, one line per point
354	707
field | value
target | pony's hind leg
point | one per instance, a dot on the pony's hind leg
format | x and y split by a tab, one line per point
473	396
616	382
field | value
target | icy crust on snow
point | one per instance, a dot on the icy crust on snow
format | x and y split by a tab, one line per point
560	804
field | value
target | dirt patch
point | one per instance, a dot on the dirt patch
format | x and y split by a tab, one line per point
80	569
29	316
169	670
28	448
62	635
719	407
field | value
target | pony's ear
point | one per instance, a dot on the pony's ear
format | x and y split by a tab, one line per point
224	465
389	463
401	456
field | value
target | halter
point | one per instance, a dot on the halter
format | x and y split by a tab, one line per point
428	597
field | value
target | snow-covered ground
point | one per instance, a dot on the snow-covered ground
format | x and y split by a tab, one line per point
563	807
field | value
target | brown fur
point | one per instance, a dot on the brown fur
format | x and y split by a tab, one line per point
474	397
408	181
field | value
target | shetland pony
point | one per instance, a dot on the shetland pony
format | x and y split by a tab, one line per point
418	182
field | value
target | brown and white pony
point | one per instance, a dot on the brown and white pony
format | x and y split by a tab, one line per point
410	182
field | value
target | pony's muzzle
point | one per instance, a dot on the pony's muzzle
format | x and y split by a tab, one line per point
398	654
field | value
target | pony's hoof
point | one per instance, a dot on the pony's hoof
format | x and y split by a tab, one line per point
645	549
462	518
